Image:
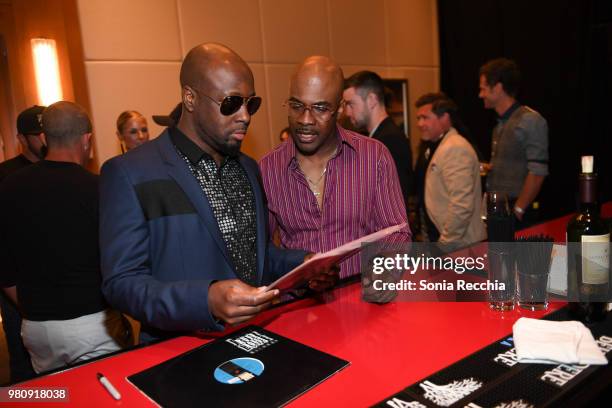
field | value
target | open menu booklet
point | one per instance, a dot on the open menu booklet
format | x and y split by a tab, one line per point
302	273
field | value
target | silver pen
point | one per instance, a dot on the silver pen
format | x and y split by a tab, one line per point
109	387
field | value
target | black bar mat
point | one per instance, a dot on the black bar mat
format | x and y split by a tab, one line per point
491	377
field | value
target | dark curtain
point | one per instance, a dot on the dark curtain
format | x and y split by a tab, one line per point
564	50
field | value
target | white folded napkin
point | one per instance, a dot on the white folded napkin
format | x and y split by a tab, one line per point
548	342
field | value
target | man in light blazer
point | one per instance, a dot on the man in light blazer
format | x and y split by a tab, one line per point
183	218
450	172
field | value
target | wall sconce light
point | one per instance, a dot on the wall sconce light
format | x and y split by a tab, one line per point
46	69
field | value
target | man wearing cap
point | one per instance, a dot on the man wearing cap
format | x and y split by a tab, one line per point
51	209
183	218
32	140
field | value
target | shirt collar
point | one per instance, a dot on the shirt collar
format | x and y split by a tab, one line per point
435	143
378	126
192	151
506	115
343	135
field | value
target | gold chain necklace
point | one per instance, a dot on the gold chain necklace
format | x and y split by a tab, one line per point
313	185
316	183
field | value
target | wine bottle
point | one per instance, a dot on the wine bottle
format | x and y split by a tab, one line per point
588	253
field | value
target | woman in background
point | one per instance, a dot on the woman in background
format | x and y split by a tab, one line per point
132	130
284	134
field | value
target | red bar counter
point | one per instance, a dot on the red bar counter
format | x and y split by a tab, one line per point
389	346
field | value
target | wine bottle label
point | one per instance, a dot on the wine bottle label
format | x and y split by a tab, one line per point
595	259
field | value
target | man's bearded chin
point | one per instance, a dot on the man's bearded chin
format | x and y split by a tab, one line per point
232	149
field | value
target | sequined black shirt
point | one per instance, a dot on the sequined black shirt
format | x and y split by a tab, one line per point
229	192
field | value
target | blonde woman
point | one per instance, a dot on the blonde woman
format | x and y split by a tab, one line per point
132	130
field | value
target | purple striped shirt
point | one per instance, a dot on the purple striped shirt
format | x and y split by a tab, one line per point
362	195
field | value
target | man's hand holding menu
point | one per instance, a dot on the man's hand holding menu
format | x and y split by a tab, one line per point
321	270
234	302
325	276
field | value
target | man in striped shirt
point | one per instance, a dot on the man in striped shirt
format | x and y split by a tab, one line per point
326	185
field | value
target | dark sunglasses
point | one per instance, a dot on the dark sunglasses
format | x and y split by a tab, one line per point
232	104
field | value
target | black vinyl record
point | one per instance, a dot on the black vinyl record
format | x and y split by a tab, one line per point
251	367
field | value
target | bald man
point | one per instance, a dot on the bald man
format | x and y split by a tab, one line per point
327	185
183	221
51	265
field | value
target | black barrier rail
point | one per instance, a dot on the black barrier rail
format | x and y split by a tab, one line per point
492	377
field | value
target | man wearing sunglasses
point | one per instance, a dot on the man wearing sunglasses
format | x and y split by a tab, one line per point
183	232
327	185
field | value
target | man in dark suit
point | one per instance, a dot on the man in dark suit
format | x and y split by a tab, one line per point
364	96
183	218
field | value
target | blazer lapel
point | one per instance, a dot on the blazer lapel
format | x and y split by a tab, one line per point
260	209
433	163
180	172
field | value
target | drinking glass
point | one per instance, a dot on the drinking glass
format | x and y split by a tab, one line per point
495	211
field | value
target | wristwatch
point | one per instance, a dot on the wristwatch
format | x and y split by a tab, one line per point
518	210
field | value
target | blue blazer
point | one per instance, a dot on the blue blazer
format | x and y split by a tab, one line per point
160	244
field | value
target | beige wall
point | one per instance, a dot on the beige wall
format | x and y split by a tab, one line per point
133	51
20	21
